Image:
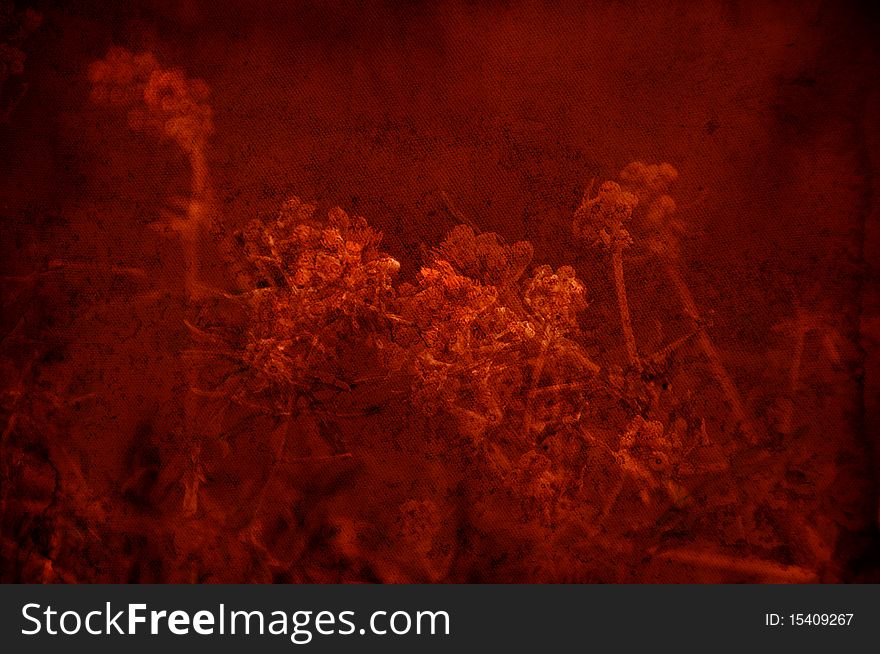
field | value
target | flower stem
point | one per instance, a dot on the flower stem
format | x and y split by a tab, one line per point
625	319
715	362
760	568
196	217
800	337
190	241
537	370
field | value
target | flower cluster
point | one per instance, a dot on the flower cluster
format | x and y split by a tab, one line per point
465	305
555	298
497	354
448	308
649	182
500	360
484	257
158	99
318	278
602	219
468	333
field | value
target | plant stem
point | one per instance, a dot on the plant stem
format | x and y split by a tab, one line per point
715	362
190	241
537	370
620	287
800	337
763	569
196	215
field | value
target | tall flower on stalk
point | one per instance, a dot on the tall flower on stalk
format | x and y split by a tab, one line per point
601	220
649	182
802	325
167	102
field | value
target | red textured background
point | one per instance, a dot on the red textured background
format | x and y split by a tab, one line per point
769	111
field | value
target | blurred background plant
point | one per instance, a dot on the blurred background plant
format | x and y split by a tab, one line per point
648	183
600	221
15	27
167	102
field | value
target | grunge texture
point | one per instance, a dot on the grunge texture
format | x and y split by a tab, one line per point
438	291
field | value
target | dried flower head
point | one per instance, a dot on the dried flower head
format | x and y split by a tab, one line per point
444	302
160	99
321	279
484	257
555	298
601	219
648	179
649	182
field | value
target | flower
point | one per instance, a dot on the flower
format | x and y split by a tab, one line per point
164	100
484	257
649	182
648	179
444	302
320	278
601	219
555	299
